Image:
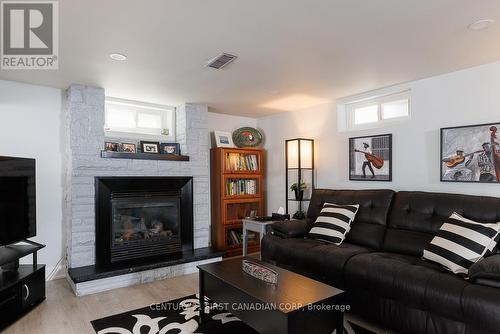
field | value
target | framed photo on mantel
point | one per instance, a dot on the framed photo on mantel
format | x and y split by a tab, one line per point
150	147
170	148
370	158
470	154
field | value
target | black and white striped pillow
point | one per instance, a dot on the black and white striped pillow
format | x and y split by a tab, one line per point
462	242
333	222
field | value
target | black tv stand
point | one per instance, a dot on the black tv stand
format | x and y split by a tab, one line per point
22	287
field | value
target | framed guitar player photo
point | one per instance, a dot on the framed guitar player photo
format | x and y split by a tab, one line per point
370	158
470	154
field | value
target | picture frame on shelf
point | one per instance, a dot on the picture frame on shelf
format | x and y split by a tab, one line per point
111	146
150	147
128	148
170	148
223	139
470	154
370	158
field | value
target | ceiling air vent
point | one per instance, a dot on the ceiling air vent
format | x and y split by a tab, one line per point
221	60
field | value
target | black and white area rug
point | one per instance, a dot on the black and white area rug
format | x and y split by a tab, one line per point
180	316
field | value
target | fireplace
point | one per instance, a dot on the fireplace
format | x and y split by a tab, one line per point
141	218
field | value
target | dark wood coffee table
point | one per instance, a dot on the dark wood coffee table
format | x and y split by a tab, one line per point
296	304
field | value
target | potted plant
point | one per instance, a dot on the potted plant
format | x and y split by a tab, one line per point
298	189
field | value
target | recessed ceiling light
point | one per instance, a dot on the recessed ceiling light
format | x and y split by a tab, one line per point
117	56
481	24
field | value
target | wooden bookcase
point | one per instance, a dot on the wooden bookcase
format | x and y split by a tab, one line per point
237	191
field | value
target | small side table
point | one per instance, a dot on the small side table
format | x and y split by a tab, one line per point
255	226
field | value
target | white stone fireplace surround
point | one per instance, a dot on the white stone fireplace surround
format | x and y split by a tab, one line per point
84	143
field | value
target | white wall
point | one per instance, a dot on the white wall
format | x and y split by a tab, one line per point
461	98
228	123
30	127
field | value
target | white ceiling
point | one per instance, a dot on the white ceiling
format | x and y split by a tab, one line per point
316	49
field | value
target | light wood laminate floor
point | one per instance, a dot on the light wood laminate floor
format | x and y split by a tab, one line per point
64	313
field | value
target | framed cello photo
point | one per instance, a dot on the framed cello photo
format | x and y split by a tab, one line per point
470	154
370	158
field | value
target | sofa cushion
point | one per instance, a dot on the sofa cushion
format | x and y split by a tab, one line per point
289	228
333	222
481	307
313	258
397	317
420	285
407	279
461	242
488	268
417	216
369	226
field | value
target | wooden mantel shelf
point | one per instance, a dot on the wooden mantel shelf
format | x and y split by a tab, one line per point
143	156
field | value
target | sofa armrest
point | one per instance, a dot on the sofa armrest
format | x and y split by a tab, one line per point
486	271
289	228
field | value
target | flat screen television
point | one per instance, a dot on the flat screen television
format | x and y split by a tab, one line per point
17	199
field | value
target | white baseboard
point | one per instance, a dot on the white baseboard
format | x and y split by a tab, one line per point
60	272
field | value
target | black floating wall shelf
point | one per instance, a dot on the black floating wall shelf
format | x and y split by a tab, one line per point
143	156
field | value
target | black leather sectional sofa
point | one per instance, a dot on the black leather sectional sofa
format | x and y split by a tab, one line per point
380	263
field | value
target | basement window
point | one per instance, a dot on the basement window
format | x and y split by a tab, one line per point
376	111
365	114
125	118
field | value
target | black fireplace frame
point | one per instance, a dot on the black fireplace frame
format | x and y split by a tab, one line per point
104	188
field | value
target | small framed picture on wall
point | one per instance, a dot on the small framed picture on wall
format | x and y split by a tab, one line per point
470	154
370	158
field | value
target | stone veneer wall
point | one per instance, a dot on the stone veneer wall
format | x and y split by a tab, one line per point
84	142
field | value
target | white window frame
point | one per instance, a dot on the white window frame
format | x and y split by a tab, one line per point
167	114
346	109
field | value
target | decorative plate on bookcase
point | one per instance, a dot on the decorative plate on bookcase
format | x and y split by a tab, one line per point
247	137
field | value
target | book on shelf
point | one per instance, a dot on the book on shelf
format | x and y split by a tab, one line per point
242	162
235	237
236	187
